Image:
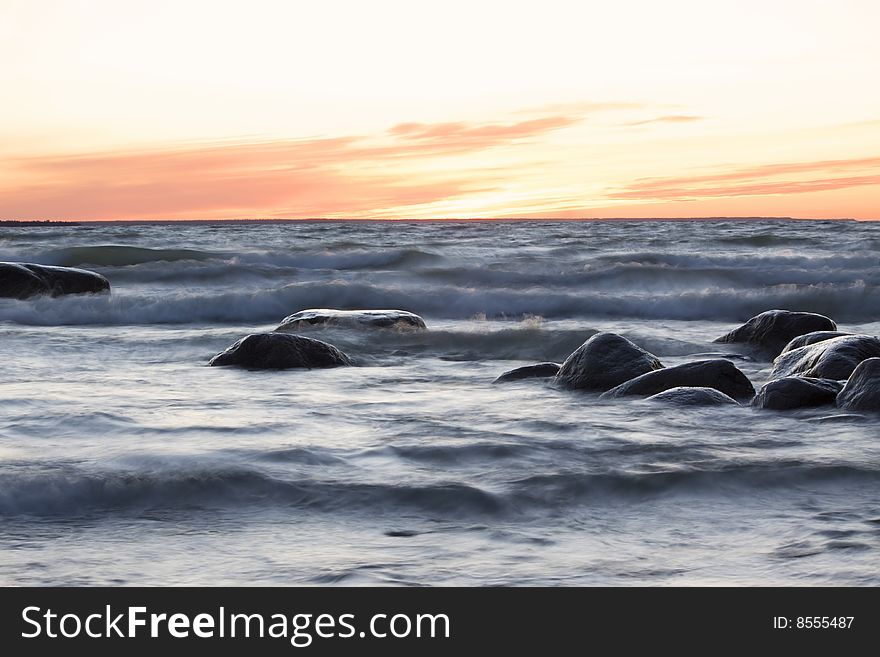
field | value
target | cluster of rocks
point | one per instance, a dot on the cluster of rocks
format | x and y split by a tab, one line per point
814	364
282	349
20	280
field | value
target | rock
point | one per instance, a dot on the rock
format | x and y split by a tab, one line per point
835	358
811	338
797	392
693	396
400	320
278	351
19	282
722	375
772	330
541	370
22	281
604	361
862	390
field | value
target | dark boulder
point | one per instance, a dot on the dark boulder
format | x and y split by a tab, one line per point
811	338
400	320
19	282
693	396
279	351
862	390
722	375
797	392
770	331
541	370
22	281
604	361
835	358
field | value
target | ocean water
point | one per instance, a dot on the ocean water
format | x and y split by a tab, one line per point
125	460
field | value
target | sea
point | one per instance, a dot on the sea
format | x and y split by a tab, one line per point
126	460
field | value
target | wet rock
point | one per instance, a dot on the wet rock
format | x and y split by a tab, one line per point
722	375
693	396
541	370
604	361
400	320
23	281
278	351
770	331
811	338
862	390
835	358
797	392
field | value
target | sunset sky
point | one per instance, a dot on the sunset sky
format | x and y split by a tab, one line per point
191	109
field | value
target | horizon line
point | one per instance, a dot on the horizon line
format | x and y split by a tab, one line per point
275	220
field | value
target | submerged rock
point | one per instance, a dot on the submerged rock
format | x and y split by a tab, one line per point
604	361
835	358
693	396
722	375
400	320
22	281
279	351
862	390
797	392
772	330
541	370
811	338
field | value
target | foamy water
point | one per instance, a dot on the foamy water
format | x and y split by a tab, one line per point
124	459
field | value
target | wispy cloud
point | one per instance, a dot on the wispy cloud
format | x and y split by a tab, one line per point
351	175
446	136
799	177
669	118
465	168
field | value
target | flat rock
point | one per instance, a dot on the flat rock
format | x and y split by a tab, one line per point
279	351
23	281
693	396
835	358
773	329
540	370
797	392
604	361
862	390
400	320
722	375
811	338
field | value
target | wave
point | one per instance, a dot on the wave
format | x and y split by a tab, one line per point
388	258
118	256
545	490
73	490
341	259
854	302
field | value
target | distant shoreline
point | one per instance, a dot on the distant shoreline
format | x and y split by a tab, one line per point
80	222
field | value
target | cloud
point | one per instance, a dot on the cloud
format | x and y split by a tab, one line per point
669	118
801	177
350	175
446	136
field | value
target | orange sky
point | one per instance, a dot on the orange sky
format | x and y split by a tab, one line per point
272	109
